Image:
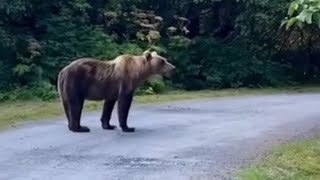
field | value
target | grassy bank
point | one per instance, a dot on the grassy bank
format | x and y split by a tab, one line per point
299	161
14	113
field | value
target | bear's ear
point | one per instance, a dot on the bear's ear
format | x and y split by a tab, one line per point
147	55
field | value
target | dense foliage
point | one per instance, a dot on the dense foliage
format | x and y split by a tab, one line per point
213	43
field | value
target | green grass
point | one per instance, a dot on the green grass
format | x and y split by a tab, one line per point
15	113
299	161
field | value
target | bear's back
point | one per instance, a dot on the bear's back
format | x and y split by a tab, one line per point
90	68
95	77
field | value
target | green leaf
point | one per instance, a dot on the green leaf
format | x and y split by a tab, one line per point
21	69
293	7
291	22
316	17
300	24
305	16
284	22
309	17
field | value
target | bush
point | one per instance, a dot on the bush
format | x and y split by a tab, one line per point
207	63
157	85
40	91
153	86
44	91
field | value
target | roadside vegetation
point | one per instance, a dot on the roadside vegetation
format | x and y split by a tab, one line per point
298	161
215	44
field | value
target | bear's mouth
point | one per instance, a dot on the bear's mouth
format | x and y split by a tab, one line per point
168	75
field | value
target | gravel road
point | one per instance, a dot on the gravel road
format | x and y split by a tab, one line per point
200	140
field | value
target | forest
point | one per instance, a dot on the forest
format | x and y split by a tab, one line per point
214	44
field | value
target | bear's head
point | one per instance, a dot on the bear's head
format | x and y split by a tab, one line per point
159	65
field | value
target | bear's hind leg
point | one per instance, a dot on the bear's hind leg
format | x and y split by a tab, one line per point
75	116
106	114
124	104
66	110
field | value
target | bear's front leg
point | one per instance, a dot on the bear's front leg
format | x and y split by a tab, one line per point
106	114
124	105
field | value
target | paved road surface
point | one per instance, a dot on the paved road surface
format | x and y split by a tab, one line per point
207	139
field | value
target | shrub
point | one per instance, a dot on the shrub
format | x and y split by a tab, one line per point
40	91
44	91
154	85
207	63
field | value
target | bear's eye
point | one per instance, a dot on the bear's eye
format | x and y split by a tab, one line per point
162	62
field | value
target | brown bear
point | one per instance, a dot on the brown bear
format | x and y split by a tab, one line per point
112	81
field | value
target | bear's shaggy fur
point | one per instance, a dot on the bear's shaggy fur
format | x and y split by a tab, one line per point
111	81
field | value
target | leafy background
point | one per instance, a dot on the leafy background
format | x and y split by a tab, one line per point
214	44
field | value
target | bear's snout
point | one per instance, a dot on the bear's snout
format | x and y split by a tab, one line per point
170	71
